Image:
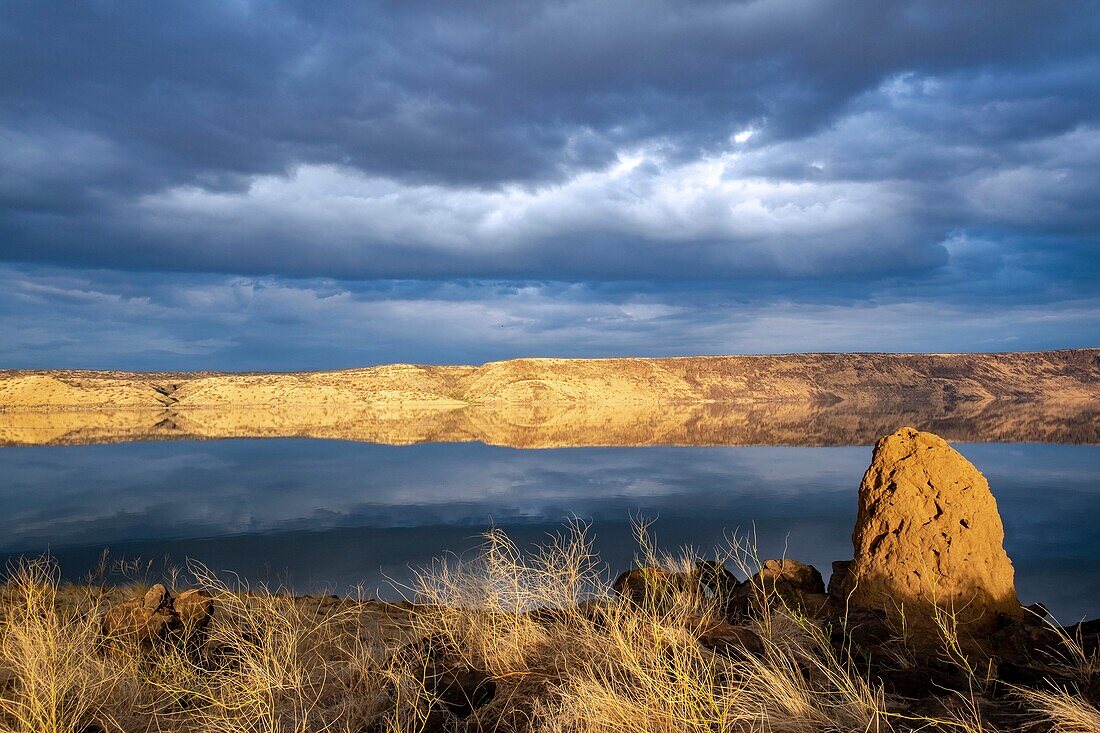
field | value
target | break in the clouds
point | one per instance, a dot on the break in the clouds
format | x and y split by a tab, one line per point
281	185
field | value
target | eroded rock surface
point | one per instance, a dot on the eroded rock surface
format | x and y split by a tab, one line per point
928	536
788	581
655	587
158	616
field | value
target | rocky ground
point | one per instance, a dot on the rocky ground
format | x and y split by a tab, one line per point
920	630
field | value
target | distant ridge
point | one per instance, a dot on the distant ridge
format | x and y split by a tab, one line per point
792	399
1065	376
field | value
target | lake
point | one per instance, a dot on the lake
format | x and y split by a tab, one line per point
330	515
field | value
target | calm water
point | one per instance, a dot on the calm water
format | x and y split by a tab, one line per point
327	515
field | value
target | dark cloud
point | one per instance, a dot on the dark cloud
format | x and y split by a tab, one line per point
824	154
986	300
468	93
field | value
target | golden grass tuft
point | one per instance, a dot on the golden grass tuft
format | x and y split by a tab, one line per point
1066	713
55	682
600	663
270	664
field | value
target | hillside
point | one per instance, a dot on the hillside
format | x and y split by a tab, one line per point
1063	376
719	400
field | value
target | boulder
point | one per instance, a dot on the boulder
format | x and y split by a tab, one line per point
1087	635
715	579
140	620
869	632
788	575
722	636
927	537
838	581
195	608
643	586
656	587
459	689
158	616
791	582
590	609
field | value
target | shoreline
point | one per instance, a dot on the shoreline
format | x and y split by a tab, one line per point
922	629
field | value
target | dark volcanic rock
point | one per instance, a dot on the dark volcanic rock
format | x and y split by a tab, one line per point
788	575
459	689
715	579
195	609
1087	634
865	630
655	587
794	583
141	620
643	586
725	637
925	680
838	581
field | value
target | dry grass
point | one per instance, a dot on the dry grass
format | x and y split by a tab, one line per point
278	665
565	656
605	664
270	663
1066	713
56	683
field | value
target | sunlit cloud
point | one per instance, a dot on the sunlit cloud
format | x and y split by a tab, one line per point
237	185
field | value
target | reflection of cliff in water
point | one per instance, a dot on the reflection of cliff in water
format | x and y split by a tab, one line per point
548	425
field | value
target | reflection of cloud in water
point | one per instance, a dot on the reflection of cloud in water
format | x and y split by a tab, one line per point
112	493
349	511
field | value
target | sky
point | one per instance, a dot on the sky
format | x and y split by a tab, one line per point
276	185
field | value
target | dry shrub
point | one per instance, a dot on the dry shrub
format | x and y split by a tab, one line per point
271	664
480	607
57	683
478	612
598	663
1066	713
653	677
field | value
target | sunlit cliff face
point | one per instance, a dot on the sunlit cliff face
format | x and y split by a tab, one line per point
807	399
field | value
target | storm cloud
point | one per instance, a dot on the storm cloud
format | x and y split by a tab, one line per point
226	184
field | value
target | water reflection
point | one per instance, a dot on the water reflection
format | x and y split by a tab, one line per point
329	513
566	424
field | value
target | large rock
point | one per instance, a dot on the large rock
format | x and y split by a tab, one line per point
928	536
194	608
657	588
787	582
158	616
644	587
